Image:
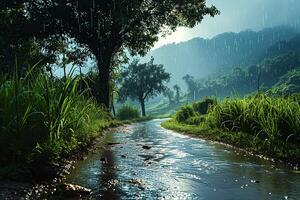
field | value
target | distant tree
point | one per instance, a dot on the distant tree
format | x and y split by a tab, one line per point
106	27
288	84
191	83
177	93
143	81
170	95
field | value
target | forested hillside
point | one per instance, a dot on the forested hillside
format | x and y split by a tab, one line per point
277	72
201	57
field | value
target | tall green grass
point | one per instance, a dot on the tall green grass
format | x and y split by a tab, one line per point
42	118
272	119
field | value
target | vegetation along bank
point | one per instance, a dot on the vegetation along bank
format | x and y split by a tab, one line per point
42	120
259	124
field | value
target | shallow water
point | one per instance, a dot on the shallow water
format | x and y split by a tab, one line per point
178	167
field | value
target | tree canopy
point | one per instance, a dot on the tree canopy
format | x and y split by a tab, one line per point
143	81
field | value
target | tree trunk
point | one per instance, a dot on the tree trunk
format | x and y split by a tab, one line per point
104	64
143	108
104	86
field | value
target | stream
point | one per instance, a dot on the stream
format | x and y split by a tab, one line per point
146	161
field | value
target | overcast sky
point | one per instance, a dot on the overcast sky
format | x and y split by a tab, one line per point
238	15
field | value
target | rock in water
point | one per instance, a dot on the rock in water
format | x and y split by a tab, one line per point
70	190
146	147
138	182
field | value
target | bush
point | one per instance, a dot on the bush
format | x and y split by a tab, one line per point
202	107
184	113
128	112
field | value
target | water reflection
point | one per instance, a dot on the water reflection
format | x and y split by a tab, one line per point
109	184
179	167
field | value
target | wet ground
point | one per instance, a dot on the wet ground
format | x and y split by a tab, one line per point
145	161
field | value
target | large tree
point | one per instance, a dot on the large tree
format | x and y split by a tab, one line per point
106	27
143	81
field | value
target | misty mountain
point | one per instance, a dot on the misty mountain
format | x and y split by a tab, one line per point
201	57
286	46
278	73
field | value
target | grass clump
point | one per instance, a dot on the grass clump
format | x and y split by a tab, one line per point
272	119
128	112
43	118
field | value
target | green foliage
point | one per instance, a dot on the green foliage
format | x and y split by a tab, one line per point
105	28
128	112
273	119
202	107
194	115
195	120
288	84
41	118
143	81
267	125
184	113
137	30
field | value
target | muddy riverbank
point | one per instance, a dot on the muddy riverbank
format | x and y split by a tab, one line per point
47	182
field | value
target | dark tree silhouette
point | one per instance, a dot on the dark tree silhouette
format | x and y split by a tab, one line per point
143	81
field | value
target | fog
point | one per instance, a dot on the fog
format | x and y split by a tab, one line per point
238	15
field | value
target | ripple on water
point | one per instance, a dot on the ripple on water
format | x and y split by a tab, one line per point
178	153
204	166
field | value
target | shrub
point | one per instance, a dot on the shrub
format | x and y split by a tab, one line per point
196	120
184	113
128	112
202	107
